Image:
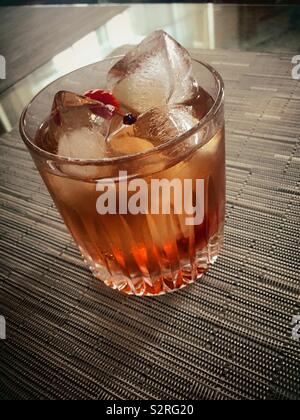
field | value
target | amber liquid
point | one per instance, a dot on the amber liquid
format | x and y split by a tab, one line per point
148	254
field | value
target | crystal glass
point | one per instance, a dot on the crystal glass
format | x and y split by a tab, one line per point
141	254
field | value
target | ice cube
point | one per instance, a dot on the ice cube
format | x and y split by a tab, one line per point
160	125
82	143
76	129
158	71
72	112
126	143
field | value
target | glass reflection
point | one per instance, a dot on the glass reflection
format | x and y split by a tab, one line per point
193	25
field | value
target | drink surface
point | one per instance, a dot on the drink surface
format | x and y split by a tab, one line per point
145	253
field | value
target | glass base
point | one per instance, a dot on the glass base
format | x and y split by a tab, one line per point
165	282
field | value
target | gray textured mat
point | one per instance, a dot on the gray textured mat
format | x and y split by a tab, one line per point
227	337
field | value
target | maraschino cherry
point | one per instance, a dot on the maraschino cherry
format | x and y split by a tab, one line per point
107	98
103	96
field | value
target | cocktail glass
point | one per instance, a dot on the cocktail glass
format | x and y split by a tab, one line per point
140	254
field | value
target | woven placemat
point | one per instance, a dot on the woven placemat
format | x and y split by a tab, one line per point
228	336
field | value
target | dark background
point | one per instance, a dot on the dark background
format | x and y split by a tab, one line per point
16	2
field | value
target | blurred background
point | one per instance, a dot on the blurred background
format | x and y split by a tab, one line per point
41	43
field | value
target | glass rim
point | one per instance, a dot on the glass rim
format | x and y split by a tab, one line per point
121	159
